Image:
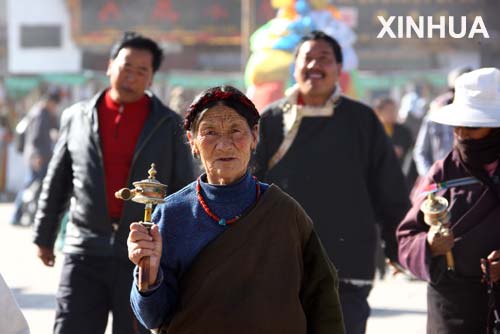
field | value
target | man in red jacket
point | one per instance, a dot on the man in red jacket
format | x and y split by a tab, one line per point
105	144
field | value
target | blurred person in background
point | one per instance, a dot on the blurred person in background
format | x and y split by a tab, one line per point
435	140
402	141
40	127
463	300
105	144
332	155
5	139
400	135
413	106
178	101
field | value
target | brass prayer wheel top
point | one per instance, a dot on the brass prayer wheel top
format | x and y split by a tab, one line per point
435	209
147	191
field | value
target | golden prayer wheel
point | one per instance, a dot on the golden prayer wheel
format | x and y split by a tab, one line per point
149	192
436	214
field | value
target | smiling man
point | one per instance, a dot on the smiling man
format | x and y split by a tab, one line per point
332	155
105	144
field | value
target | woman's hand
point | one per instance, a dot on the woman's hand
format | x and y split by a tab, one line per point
494	261
440	242
142	243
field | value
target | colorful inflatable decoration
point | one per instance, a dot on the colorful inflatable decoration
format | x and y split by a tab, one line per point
269	69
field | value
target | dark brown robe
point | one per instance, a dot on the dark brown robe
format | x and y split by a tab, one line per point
268	273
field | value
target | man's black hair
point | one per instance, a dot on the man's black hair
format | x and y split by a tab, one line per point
53	94
316	35
134	40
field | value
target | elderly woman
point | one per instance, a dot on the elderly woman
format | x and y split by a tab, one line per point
230	254
463	300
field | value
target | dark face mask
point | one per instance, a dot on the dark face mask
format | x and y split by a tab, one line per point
479	152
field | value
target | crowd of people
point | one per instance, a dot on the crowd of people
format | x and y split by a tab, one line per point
278	233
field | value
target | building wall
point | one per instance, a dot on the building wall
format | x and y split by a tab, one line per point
490	51
34	16
3	39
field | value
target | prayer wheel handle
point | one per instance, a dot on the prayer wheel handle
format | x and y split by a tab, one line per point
435	209
149	192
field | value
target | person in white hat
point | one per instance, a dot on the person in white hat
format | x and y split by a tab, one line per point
462	300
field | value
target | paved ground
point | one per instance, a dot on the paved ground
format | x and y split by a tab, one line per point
398	305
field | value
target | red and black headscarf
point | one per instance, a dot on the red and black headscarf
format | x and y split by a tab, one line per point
222	95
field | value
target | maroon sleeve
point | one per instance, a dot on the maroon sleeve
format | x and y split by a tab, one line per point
413	251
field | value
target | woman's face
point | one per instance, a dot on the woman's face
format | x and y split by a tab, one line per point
224	142
467	133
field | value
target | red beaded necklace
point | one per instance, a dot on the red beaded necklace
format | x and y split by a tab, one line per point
221	221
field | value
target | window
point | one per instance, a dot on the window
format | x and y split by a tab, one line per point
38	36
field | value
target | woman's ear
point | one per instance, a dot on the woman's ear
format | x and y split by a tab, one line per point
190	139
194	149
255	137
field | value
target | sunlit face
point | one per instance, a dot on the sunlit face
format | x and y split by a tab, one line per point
467	133
224	142
130	74
316	71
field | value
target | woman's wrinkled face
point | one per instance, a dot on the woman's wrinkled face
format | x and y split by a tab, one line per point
224	142
467	133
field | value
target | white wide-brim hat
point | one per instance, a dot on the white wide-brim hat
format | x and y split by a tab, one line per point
476	102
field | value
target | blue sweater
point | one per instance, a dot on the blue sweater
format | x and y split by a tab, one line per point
186	229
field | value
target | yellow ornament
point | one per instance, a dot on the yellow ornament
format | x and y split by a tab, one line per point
282	3
288	13
268	65
319	4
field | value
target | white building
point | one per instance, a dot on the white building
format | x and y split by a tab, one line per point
39	38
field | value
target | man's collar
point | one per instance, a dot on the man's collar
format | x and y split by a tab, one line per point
294	97
293	111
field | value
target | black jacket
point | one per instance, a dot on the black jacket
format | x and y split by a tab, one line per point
38	142
343	171
76	172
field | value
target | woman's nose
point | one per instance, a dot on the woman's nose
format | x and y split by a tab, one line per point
225	140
